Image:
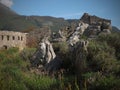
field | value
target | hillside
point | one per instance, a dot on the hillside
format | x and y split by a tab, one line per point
6	11
52	22
10	20
115	29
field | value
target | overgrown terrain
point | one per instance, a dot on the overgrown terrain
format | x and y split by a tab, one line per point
100	70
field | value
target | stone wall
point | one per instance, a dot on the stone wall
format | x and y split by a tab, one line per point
12	39
89	19
97	25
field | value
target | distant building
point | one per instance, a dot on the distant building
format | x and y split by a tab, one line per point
12	39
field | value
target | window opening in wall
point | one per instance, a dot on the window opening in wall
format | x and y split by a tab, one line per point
21	38
13	37
2	37
18	38
8	37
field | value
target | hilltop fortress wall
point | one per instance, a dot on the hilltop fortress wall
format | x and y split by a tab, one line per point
86	18
12	39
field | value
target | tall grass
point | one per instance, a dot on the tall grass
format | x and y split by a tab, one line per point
15	76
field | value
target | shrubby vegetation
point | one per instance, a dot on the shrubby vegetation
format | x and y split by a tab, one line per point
61	47
112	40
102	64
15	74
101	71
63	52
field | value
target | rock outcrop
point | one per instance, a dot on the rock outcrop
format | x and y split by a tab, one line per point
89	19
97	25
75	37
45	58
90	26
44	53
58	37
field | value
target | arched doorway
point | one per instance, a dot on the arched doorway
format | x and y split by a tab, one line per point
5	47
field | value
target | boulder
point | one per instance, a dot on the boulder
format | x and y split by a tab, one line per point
74	38
44	53
45	58
58	37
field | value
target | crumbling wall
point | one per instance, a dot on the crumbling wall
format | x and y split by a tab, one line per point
89	19
12	39
97	25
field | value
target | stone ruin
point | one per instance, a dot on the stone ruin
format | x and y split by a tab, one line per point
89	19
90	26
45	56
12	39
97	25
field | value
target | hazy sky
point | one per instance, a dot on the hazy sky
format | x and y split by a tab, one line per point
109	9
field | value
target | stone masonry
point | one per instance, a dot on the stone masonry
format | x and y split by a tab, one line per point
89	19
12	39
97	25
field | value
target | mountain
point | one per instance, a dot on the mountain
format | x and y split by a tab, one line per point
52	22
115	29
10	20
6	11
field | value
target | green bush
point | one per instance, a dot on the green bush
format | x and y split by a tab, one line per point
101	56
36	82
102	68
106	83
11	77
98	81
61	47
112	40
62	51
27	53
14	74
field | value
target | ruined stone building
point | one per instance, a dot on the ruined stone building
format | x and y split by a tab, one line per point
12	39
96	25
89	19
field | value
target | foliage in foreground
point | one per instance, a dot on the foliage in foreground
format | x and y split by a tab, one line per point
14	73
101	72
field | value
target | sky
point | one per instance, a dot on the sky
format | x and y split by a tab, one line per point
68	9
